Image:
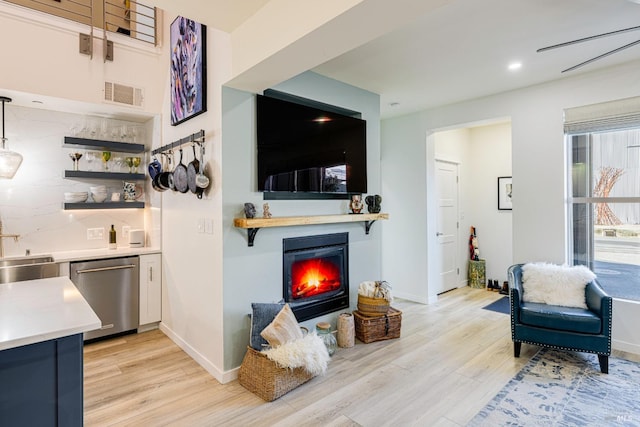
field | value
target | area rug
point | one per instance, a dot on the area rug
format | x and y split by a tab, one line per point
501	306
562	388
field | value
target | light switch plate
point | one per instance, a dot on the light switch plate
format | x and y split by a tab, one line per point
125	232
201	225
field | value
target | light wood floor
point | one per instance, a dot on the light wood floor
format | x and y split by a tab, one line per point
451	359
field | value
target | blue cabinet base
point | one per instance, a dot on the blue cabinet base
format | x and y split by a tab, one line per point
42	384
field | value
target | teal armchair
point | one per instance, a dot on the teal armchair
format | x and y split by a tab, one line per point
566	328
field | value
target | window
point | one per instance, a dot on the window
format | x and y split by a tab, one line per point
604	206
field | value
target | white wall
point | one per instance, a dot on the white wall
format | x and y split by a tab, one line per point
192	300
254	274
538	165
490	156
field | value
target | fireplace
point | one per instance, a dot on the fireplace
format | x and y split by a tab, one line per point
316	274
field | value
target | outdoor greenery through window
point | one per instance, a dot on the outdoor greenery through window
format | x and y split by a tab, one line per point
604	207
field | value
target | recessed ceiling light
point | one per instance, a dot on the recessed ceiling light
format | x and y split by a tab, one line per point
515	66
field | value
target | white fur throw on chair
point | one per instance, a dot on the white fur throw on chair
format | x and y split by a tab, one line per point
308	352
555	284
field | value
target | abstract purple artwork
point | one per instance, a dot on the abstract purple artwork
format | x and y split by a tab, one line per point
188	70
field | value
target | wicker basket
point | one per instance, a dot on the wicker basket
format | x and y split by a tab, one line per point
371	307
265	378
370	329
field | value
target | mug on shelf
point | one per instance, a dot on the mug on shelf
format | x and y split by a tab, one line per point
131	191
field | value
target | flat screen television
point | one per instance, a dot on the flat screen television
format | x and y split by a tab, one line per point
309	152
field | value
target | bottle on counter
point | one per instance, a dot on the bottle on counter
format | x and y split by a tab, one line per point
112	238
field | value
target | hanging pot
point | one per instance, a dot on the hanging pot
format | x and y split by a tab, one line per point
154	168
180	177
202	181
192	172
164	178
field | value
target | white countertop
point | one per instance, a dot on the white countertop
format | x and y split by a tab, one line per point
40	310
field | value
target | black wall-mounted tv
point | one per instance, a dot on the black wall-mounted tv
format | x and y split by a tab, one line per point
306	152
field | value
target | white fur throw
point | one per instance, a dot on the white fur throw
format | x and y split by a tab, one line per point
308	352
555	284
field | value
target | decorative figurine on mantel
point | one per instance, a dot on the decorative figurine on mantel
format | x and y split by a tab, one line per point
265	209
356	204
249	210
373	203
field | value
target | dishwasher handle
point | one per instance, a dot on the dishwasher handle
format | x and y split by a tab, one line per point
96	270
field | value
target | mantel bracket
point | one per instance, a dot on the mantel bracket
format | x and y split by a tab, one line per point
368	225
251	235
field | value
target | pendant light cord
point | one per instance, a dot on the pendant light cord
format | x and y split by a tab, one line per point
3	99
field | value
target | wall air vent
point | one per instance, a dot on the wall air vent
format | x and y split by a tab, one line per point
122	94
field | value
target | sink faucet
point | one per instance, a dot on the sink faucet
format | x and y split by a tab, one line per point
2	236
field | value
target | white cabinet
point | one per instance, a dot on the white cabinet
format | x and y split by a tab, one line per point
150	289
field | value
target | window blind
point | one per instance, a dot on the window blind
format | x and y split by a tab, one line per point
619	114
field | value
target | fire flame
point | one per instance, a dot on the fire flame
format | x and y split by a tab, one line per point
313	277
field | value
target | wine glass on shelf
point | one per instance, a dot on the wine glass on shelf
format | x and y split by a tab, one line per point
117	163
136	163
129	162
91	157
76	158
106	155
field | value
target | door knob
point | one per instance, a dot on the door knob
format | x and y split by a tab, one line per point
438	234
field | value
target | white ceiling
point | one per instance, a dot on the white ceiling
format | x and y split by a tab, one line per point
461	51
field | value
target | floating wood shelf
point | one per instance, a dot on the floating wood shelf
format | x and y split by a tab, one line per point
254	224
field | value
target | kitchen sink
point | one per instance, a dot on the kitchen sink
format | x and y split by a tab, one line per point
27	268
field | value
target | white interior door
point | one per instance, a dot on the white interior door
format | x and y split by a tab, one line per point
447	225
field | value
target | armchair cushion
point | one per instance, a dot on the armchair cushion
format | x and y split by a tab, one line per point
561	318
555	284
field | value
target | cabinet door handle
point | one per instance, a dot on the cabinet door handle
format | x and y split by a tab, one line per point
95	270
151	273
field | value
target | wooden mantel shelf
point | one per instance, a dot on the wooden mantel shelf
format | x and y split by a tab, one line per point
254	224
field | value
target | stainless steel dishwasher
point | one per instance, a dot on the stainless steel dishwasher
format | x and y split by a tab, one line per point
110	286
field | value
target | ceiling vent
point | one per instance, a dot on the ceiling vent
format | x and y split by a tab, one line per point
122	94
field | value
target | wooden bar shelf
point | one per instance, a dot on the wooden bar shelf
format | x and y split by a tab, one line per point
252	225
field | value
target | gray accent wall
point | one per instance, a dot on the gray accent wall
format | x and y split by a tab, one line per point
254	274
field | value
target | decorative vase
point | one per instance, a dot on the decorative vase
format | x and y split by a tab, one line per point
346	330
323	329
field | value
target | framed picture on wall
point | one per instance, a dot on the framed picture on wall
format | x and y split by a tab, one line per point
188	69
504	193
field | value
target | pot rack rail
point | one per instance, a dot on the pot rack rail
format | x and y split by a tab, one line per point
195	138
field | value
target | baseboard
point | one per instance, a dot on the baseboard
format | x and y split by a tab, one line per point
625	346
221	376
411	297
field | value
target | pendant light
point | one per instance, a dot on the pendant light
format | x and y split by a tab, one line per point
9	160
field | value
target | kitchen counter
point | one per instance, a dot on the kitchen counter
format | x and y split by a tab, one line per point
89	254
41	352
34	311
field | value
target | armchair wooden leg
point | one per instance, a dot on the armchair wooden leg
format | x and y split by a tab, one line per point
604	363
516	348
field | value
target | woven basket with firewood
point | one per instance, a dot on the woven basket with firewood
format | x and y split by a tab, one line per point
374	298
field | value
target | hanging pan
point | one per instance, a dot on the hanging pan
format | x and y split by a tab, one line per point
180	176
192	172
